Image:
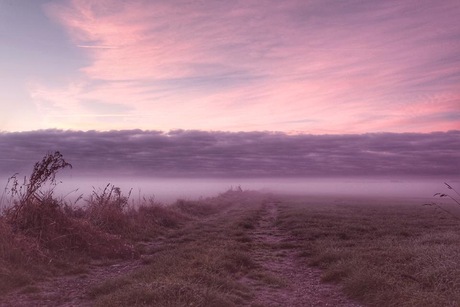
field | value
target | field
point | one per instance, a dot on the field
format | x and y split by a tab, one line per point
240	248
387	253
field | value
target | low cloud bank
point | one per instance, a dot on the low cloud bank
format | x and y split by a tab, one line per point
229	154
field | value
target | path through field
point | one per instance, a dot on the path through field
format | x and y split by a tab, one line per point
301	285
288	281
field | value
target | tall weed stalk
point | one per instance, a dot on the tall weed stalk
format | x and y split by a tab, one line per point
107	208
448	196
31	195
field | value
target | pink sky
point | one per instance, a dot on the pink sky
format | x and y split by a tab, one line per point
294	66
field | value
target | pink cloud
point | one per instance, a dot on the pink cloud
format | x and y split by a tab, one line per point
267	65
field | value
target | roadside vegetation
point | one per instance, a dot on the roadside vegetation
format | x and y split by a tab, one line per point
192	254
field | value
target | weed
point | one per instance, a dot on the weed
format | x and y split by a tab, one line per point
107	207
30	199
437	205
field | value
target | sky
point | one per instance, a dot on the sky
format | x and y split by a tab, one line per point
298	67
232	89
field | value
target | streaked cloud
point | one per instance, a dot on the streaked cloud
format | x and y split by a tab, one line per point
263	65
317	66
230	154
96	47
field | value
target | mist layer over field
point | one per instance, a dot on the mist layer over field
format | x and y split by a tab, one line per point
169	189
193	164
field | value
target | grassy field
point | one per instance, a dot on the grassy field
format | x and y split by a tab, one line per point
203	253
384	253
192	253
198	265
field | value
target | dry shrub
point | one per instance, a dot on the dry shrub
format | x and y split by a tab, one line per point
59	233
36	213
43	220
53	225
32	190
109	211
106	209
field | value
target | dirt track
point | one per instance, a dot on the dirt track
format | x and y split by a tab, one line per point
301	284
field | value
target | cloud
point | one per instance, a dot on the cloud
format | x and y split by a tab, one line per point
354	67
229	154
96	47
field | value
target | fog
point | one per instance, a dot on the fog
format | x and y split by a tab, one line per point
185	164
167	190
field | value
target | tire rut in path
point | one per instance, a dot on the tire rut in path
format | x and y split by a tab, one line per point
302	285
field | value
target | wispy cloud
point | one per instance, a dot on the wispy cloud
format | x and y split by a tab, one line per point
244	154
353	66
96	47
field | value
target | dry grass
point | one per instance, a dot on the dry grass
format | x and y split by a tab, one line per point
383	255
184	276
18	255
207	252
202	264
41	235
